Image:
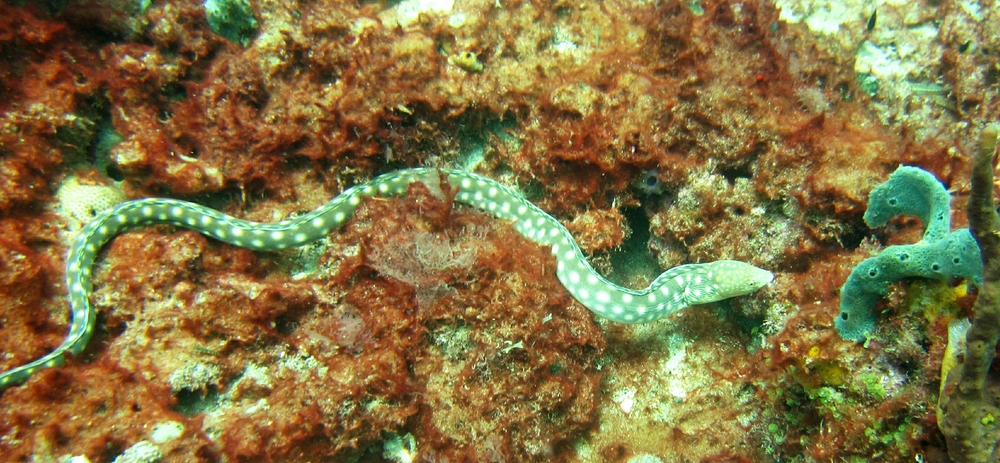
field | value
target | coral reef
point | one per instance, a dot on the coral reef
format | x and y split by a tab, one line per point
765	125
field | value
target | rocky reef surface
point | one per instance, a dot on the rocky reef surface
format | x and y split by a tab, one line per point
659	132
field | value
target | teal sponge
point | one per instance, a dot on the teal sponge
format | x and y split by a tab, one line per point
940	255
911	191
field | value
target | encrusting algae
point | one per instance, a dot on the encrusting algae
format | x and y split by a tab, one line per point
409	231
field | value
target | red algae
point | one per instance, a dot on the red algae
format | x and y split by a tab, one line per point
34	322
433	329
512	359
48	77
295	382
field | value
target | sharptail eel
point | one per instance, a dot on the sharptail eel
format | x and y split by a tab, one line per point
673	290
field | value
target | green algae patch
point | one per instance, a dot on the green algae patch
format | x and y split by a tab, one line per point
232	19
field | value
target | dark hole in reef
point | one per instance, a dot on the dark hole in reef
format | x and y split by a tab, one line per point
563	11
174	91
218	200
192	402
254	96
969	105
187	146
110	452
992	76
81	24
909	367
734	172
844	90
297	162
285	325
747	323
113	172
852	236
255	186
64	439
104	140
631	262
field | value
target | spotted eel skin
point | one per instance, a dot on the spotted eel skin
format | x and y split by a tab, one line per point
673	290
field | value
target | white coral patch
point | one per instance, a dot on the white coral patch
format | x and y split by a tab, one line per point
82	202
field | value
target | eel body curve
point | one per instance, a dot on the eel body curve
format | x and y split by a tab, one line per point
672	291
